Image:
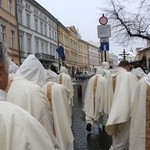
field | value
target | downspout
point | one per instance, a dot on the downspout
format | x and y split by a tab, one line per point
58	45
17	32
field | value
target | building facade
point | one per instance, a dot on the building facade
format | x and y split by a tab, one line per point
8	28
64	41
83	56
74	53
94	57
38	32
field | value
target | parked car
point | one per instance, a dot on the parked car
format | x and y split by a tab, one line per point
89	74
80	75
83	75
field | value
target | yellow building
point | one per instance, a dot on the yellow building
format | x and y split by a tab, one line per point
64	41
74	53
83	56
8	27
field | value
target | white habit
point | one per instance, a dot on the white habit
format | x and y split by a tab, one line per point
138	119
95	100
33	70
58	95
65	79
19	130
120	113
31	98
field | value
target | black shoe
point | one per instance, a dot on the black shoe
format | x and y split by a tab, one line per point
103	128
88	127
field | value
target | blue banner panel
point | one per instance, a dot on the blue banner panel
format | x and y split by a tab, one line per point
60	51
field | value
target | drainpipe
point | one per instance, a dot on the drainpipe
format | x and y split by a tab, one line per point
17	32
58	45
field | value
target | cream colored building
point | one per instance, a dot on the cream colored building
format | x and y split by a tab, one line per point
144	54
83	56
8	28
94	57
74	53
64	41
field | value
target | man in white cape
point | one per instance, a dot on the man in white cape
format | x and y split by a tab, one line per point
29	95
65	79
18	129
108	75
58	96
140	120
95	99
138	72
118	122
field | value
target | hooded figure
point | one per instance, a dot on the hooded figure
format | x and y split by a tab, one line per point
118	122
138	72
95	99
18	129
33	70
24	92
57	96
65	79
140	120
103	70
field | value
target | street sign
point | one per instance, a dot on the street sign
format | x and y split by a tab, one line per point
104	31
103	20
104	46
104	40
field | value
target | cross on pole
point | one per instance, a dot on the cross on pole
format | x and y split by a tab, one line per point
124	54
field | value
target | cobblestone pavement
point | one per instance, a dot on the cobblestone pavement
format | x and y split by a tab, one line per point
83	139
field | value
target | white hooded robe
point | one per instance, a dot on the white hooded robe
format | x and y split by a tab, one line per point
19	130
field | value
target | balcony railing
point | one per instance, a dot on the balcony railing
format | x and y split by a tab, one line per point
46	57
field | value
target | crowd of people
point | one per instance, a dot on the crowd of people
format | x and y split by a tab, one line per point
119	99
36	105
35	110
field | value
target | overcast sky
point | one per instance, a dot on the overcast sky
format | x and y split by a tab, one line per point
83	14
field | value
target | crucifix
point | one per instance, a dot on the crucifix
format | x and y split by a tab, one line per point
124	54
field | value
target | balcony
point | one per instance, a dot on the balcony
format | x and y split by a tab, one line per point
45	57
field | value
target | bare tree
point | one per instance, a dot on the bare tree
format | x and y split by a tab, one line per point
129	19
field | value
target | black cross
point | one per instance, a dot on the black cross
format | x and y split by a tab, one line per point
124	54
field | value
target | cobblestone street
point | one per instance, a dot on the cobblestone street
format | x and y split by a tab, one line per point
83	139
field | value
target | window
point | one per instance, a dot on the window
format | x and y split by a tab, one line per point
37	45
36	24
21	42
1	3
36	12
28	44
53	34
46	48
50	32
41	27
45	18
50	49
3	33
27	6
12	44
42	46
19	16
19	1
45	26
10	6
28	20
